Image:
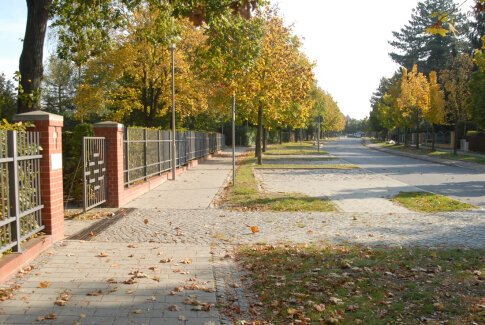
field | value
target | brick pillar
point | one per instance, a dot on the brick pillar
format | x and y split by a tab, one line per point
114	134
49	127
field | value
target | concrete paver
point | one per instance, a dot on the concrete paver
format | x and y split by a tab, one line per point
195	189
352	190
100	290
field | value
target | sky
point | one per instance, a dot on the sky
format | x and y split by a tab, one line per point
348	40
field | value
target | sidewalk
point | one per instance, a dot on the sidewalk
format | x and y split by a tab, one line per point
194	189
131	281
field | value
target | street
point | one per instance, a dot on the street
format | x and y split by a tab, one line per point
463	184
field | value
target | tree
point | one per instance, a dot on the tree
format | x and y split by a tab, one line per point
132	81
385	114
59	86
477	85
477	25
30	65
414	100
436	113
233	46
92	17
7	98
456	83
276	89
429	51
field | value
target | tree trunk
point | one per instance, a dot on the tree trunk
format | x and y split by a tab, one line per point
30	64
280	140
405	137
265	139
417	135
433	137
455	144
259	134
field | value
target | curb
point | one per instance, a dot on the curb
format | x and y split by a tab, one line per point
461	164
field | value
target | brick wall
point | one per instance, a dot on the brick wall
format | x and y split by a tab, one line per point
49	127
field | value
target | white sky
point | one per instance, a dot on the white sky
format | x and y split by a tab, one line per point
349	42
347	39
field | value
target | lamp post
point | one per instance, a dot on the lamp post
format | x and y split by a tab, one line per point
234	139
318	133
174	132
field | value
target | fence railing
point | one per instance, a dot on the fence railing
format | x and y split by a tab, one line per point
20	202
148	152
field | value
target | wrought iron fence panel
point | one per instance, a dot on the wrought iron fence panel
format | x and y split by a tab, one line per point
94	172
20	196
148	152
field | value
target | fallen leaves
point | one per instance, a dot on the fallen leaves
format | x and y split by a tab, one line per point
7	293
198	305
95	293
102	254
44	284
63	298
325	284
50	316
173	308
138	274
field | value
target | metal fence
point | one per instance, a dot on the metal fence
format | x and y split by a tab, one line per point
148	152
94	172
20	203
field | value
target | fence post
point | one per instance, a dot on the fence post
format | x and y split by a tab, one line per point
113	132
49	127
13	187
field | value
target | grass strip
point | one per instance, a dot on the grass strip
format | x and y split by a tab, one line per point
356	285
301	148
246	196
306	166
435	154
430	202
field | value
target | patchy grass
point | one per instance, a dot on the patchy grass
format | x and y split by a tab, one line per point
429	202
300	148
285	159
437	153
306	166
246	196
355	285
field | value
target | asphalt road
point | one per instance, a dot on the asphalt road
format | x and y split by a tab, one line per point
463	184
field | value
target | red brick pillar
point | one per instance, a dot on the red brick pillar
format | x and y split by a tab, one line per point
49	127
114	134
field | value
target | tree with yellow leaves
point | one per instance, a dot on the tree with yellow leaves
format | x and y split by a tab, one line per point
456	83
436	113
133	79
414	100
275	91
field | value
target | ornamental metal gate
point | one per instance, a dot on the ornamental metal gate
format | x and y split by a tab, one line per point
94	172
20	204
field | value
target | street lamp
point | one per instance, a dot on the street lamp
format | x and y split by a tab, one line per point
234	139
174	132
318	133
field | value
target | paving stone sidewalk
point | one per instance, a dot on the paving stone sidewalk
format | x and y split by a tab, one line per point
215	227
115	283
